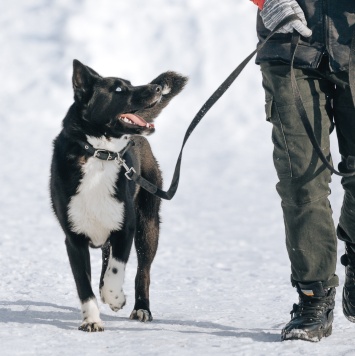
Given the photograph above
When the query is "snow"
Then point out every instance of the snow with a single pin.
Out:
(220, 281)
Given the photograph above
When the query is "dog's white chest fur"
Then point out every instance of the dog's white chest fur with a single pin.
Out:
(94, 211)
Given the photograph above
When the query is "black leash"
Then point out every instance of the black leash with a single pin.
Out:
(169, 194)
(300, 105)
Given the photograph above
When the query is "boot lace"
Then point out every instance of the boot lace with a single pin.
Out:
(311, 307)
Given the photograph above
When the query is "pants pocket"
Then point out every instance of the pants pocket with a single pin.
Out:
(268, 108)
(281, 155)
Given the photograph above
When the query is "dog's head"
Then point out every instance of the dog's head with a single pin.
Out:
(113, 107)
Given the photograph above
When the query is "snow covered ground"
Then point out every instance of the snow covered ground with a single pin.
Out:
(220, 281)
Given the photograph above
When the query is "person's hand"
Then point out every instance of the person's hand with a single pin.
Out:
(274, 11)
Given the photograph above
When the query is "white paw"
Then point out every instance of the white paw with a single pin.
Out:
(111, 292)
(141, 315)
(116, 300)
(91, 316)
(91, 327)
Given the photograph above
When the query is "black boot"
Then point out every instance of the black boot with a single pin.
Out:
(312, 317)
(348, 260)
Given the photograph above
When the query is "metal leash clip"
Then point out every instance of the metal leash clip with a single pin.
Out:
(123, 163)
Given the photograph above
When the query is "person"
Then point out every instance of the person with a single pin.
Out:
(322, 71)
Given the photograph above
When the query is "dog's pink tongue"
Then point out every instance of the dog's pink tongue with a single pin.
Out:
(137, 120)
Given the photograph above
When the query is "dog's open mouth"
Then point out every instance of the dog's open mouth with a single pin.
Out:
(136, 120)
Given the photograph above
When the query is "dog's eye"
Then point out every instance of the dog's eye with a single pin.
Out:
(118, 89)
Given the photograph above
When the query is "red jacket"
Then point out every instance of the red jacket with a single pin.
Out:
(260, 3)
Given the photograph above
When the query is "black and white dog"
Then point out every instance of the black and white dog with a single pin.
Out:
(95, 203)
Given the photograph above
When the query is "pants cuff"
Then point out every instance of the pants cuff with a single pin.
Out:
(330, 283)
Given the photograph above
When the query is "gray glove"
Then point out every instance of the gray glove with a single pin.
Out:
(274, 11)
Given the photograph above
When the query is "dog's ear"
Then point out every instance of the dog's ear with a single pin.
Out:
(172, 83)
(83, 79)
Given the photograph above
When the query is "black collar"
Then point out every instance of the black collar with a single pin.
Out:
(105, 155)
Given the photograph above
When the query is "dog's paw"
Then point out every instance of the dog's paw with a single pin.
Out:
(91, 326)
(115, 299)
(141, 315)
(91, 316)
(111, 291)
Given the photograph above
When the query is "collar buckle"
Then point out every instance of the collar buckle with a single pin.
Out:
(97, 153)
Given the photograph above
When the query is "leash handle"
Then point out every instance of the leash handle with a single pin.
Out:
(169, 194)
(301, 108)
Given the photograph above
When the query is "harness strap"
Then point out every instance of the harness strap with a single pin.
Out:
(302, 111)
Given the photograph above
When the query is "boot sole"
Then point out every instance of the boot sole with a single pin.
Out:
(299, 334)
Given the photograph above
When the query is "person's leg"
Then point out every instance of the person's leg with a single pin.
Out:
(303, 180)
(344, 117)
(304, 183)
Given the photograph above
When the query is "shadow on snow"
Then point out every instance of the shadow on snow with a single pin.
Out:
(67, 318)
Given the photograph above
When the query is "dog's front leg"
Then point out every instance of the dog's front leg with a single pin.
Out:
(79, 257)
(111, 284)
